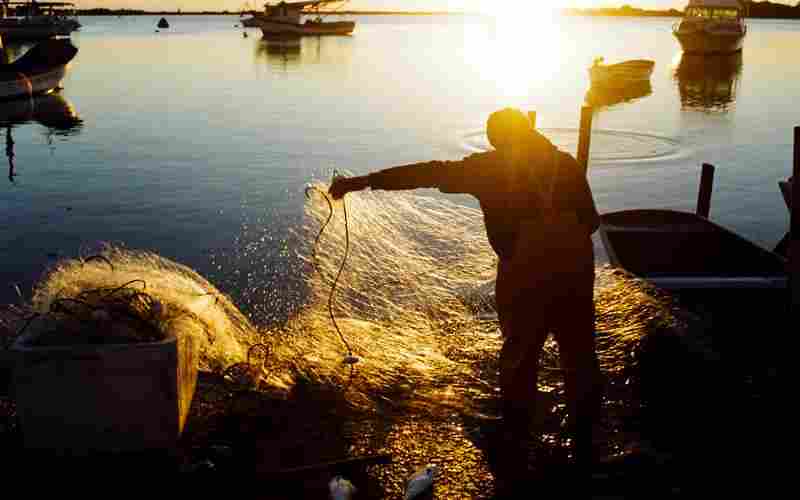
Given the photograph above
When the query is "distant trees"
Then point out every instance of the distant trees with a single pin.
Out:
(772, 10)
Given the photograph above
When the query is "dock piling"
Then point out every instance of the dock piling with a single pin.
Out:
(706, 187)
(584, 137)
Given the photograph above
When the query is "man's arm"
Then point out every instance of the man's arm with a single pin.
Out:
(447, 176)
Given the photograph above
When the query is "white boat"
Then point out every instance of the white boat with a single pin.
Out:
(31, 20)
(620, 74)
(38, 71)
(285, 18)
(711, 27)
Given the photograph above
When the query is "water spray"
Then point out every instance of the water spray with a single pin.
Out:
(350, 359)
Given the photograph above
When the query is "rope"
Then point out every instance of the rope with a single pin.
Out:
(341, 266)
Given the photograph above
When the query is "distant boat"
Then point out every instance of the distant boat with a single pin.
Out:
(162, 23)
(711, 27)
(284, 18)
(38, 71)
(31, 20)
(620, 74)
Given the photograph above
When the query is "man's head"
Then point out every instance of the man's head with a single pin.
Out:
(507, 128)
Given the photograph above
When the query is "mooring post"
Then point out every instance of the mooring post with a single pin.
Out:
(706, 186)
(794, 228)
(584, 137)
(532, 118)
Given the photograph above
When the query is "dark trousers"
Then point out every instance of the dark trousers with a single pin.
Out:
(530, 308)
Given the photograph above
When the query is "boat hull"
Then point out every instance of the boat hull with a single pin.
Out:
(270, 28)
(679, 251)
(620, 74)
(702, 42)
(21, 85)
(38, 31)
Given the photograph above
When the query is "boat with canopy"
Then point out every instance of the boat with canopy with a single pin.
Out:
(712, 27)
(285, 18)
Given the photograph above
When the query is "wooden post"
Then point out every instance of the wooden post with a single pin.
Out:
(532, 118)
(584, 137)
(794, 228)
(706, 186)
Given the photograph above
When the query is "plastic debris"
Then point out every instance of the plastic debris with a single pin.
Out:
(420, 481)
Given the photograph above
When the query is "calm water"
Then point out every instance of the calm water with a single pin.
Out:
(197, 142)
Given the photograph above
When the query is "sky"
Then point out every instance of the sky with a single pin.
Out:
(235, 5)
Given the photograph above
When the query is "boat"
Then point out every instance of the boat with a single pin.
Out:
(712, 27)
(285, 18)
(684, 252)
(40, 70)
(620, 74)
(32, 20)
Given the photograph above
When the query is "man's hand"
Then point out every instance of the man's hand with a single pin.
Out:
(343, 185)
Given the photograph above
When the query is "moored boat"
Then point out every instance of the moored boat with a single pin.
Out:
(285, 18)
(31, 20)
(711, 27)
(38, 71)
(619, 74)
(681, 251)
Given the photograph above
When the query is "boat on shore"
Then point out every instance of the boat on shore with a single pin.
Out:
(620, 74)
(684, 252)
(711, 27)
(31, 20)
(40, 70)
(285, 19)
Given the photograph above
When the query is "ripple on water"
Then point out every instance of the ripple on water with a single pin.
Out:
(607, 146)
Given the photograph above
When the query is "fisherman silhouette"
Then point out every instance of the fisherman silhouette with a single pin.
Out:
(539, 215)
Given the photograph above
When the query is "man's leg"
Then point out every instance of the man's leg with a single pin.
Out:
(575, 334)
(523, 337)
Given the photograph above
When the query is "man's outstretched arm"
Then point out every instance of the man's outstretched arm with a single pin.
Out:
(448, 176)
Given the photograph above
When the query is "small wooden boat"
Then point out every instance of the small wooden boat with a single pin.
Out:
(624, 73)
(680, 251)
(38, 71)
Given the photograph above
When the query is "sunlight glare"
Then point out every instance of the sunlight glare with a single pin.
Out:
(521, 48)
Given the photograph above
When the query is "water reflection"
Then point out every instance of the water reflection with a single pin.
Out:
(710, 82)
(52, 111)
(601, 96)
(280, 51)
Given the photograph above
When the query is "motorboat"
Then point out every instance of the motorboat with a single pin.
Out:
(712, 27)
(620, 74)
(32, 20)
(285, 18)
(40, 70)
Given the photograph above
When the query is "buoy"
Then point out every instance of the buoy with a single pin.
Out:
(162, 23)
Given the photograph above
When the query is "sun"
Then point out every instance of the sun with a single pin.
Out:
(519, 8)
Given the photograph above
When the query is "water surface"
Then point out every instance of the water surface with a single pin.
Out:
(196, 142)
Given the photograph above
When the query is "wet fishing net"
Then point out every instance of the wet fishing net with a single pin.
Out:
(413, 302)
